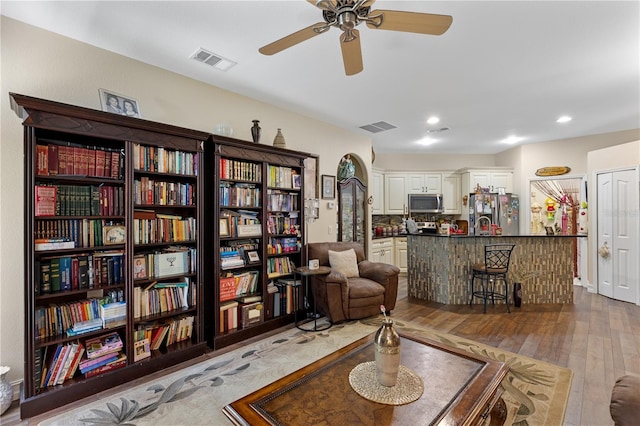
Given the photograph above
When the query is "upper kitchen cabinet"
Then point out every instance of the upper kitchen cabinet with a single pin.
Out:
(494, 179)
(424, 183)
(451, 194)
(377, 192)
(395, 189)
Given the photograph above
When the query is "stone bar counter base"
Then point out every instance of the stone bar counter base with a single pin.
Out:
(439, 268)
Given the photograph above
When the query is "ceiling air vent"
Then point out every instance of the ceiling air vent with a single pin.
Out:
(380, 126)
(212, 59)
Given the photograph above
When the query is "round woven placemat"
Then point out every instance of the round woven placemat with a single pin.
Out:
(408, 388)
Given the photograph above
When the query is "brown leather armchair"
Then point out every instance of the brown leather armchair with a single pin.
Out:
(341, 298)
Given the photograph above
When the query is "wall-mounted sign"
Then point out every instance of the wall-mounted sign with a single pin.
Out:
(553, 171)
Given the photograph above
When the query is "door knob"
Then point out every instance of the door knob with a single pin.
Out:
(604, 251)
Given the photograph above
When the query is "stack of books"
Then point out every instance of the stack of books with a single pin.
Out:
(113, 314)
(104, 353)
(62, 366)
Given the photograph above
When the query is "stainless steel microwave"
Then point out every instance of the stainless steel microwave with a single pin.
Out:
(425, 203)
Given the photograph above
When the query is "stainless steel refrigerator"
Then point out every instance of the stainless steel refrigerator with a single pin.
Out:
(500, 210)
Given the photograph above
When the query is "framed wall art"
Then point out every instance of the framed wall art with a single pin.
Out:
(119, 104)
(328, 187)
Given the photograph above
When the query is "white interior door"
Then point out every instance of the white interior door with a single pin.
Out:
(619, 229)
(625, 236)
(605, 231)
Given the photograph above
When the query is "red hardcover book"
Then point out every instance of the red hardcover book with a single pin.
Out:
(75, 273)
(227, 288)
(42, 160)
(53, 159)
(107, 164)
(100, 160)
(77, 160)
(91, 161)
(46, 200)
(62, 159)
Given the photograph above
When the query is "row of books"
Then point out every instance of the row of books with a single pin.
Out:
(277, 266)
(79, 271)
(283, 177)
(284, 298)
(149, 191)
(79, 200)
(166, 332)
(63, 158)
(240, 170)
(239, 195)
(231, 259)
(173, 260)
(81, 232)
(54, 320)
(278, 201)
(163, 160)
(61, 366)
(280, 245)
(241, 223)
(238, 285)
(164, 229)
(279, 224)
(160, 297)
(235, 315)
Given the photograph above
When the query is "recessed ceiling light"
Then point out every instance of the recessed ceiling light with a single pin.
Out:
(564, 119)
(426, 141)
(433, 120)
(512, 139)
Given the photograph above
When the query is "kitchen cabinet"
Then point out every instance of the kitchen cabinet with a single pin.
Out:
(451, 194)
(488, 178)
(377, 192)
(424, 183)
(382, 251)
(400, 252)
(395, 190)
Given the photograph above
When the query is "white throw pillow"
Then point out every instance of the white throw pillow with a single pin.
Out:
(345, 262)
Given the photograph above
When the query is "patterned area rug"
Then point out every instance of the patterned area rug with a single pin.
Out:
(535, 392)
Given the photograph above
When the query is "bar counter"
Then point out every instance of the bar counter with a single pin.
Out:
(439, 266)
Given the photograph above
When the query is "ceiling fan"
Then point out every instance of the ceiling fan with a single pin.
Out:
(347, 15)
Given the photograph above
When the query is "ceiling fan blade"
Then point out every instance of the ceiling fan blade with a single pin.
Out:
(323, 4)
(412, 22)
(351, 52)
(294, 38)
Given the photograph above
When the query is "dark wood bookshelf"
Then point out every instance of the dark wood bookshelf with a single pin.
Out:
(48, 123)
(53, 123)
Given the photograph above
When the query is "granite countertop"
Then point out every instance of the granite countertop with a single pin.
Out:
(388, 236)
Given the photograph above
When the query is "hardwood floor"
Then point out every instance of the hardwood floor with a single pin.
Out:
(596, 337)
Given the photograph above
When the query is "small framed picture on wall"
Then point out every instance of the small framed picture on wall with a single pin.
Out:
(328, 187)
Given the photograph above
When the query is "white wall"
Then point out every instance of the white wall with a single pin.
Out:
(602, 160)
(45, 65)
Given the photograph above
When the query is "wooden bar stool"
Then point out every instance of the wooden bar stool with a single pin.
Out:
(494, 269)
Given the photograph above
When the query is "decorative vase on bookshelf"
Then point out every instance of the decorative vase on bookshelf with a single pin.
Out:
(6, 392)
(256, 131)
(279, 141)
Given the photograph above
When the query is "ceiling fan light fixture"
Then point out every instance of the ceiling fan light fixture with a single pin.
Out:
(433, 120)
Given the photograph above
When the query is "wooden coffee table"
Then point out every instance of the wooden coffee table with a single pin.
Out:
(459, 389)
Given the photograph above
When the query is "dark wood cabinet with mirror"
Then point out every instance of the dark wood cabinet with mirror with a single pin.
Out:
(352, 209)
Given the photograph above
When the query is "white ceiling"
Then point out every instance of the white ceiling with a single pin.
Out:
(504, 68)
